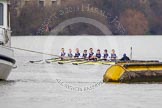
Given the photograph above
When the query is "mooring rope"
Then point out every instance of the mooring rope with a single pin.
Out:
(27, 50)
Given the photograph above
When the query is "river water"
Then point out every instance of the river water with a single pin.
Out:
(68, 86)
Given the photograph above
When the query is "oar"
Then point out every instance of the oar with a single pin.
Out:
(54, 60)
(69, 60)
(108, 63)
(35, 61)
(27, 50)
(42, 60)
(63, 62)
(86, 62)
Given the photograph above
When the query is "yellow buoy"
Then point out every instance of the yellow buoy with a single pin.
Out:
(134, 72)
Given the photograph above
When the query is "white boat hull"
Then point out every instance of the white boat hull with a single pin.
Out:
(6, 62)
(6, 53)
(5, 69)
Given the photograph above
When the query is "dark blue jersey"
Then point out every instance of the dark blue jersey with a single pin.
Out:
(106, 56)
(85, 55)
(98, 55)
(90, 55)
(125, 58)
(113, 56)
(77, 54)
(70, 55)
(63, 54)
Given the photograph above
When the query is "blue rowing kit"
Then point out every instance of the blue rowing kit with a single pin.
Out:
(77, 55)
(63, 54)
(113, 56)
(85, 55)
(98, 55)
(90, 55)
(70, 55)
(106, 56)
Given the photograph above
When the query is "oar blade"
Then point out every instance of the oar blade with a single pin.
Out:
(35, 61)
(60, 63)
(75, 63)
(31, 61)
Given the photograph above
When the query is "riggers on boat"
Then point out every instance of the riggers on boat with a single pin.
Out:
(134, 72)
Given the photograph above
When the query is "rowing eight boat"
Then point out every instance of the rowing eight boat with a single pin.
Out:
(87, 62)
(79, 62)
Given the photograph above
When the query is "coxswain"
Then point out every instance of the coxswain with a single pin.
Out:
(125, 58)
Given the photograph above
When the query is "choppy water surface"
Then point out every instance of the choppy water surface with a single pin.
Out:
(52, 86)
(69, 86)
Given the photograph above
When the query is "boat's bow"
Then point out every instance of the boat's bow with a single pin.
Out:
(6, 62)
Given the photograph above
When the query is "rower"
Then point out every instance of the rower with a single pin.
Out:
(77, 54)
(85, 54)
(62, 55)
(105, 55)
(70, 55)
(113, 55)
(98, 54)
(91, 54)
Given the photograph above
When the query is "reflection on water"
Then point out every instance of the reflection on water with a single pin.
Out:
(7, 83)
